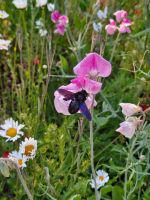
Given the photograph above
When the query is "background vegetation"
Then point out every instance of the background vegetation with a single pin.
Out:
(61, 168)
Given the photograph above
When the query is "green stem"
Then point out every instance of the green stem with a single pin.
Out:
(114, 47)
(19, 175)
(92, 157)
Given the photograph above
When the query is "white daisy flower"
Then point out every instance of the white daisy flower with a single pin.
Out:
(4, 44)
(20, 4)
(11, 130)
(101, 178)
(3, 14)
(40, 3)
(28, 148)
(18, 158)
(50, 7)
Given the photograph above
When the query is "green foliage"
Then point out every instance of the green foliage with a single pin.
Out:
(61, 169)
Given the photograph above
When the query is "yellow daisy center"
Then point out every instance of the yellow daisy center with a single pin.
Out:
(11, 132)
(101, 178)
(28, 149)
(20, 162)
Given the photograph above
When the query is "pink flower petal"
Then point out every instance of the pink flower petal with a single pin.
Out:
(61, 106)
(91, 87)
(93, 65)
(55, 16)
(129, 109)
(120, 15)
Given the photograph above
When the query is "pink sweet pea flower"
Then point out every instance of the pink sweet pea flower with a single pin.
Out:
(120, 15)
(63, 20)
(61, 105)
(124, 26)
(60, 29)
(91, 87)
(55, 16)
(93, 66)
(128, 127)
(111, 28)
(129, 109)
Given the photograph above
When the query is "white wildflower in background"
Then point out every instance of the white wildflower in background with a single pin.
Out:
(20, 4)
(18, 158)
(40, 26)
(40, 3)
(28, 148)
(44, 66)
(97, 26)
(101, 178)
(102, 14)
(3, 14)
(43, 32)
(39, 23)
(11, 130)
(50, 7)
(4, 44)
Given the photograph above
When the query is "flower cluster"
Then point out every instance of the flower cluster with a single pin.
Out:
(87, 73)
(12, 131)
(131, 123)
(101, 178)
(60, 21)
(124, 26)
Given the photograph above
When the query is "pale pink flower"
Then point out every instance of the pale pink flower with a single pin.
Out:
(61, 105)
(124, 26)
(120, 15)
(111, 28)
(60, 29)
(129, 109)
(128, 127)
(93, 66)
(63, 20)
(55, 16)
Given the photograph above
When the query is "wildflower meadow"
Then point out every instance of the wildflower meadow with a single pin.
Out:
(74, 100)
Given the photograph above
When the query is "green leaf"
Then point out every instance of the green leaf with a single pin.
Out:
(106, 189)
(4, 169)
(117, 193)
(63, 63)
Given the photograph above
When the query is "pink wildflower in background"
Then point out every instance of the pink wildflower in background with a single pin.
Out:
(111, 28)
(129, 109)
(128, 127)
(120, 15)
(55, 16)
(60, 21)
(124, 26)
(123, 23)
